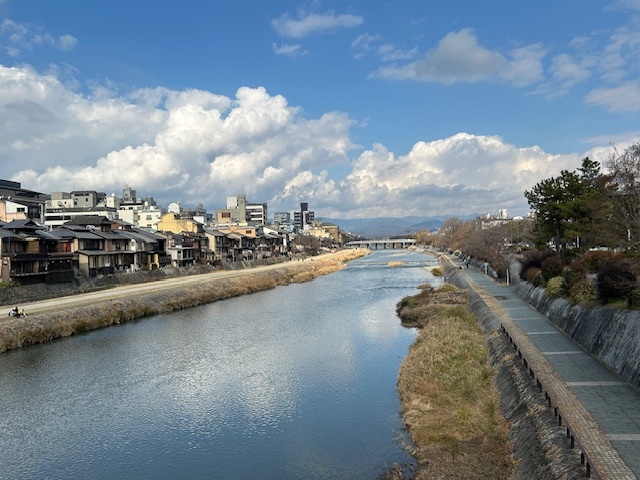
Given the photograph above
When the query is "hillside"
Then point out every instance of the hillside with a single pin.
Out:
(391, 226)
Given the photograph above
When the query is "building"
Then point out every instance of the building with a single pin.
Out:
(141, 213)
(11, 210)
(31, 201)
(303, 218)
(62, 207)
(173, 222)
(281, 219)
(29, 255)
(235, 213)
(257, 213)
(199, 214)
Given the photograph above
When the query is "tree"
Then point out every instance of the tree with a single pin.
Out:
(625, 196)
(309, 244)
(564, 206)
(452, 234)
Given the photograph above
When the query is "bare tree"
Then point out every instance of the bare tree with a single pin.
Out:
(625, 176)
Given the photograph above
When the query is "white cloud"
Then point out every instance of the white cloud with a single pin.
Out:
(192, 144)
(621, 54)
(308, 23)
(625, 5)
(25, 36)
(289, 50)
(567, 71)
(200, 147)
(67, 42)
(363, 44)
(458, 175)
(460, 58)
(390, 53)
(624, 98)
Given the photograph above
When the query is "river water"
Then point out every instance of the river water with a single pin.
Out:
(293, 383)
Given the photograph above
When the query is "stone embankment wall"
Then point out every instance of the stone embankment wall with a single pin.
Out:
(40, 328)
(540, 445)
(612, 335)
(16, 295)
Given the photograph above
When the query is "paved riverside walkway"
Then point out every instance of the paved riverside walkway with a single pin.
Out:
(600, 411)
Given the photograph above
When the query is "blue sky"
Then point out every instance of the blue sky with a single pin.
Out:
(360, 108)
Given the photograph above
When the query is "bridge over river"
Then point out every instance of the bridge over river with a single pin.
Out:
(394, 243)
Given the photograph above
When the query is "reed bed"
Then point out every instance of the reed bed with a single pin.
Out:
(20, 332)
(450, 405)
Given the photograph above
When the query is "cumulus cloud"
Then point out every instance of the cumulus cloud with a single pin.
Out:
(199, 147)
(459, 57)
(308, 23)
(457, 175)
(190, 144)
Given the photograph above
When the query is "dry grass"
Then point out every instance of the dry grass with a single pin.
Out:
(449, 403)
(436, 271)
(395, 264)
(19, 332)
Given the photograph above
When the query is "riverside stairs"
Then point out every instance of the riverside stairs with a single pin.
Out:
(601, 412)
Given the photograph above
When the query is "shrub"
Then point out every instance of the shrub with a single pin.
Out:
(616, 280)
(552, 267)
(533, 259)
(595, 261)
(574, 274)
(534, 276)
(583, 293)
(555, 286)
(633, 299)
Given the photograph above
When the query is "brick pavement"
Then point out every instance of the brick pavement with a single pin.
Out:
(601, 413)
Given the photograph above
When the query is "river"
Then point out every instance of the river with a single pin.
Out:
(298, 382)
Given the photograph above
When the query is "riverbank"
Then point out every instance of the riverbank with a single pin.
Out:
(450, 405)
(540, 445)
(77, 314)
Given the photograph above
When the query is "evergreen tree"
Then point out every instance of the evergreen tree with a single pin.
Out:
(568, 207)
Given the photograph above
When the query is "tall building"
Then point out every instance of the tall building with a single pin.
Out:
(257, 213)
(282, 218)
(239, 211)
(303, 218)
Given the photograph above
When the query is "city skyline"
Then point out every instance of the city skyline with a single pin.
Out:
(362, 110)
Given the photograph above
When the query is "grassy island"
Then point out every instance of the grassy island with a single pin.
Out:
(450, 406)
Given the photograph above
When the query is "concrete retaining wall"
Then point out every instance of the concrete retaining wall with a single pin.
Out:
(540, 445)
(17, 295)
(612, 335)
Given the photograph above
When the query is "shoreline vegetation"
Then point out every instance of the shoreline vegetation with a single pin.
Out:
(449, 403)
(44, 327)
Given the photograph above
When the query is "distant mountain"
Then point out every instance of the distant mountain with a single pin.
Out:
(391, 226)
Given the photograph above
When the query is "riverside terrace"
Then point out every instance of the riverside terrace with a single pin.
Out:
(394, 243)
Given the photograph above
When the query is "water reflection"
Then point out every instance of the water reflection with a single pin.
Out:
(292, 383)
